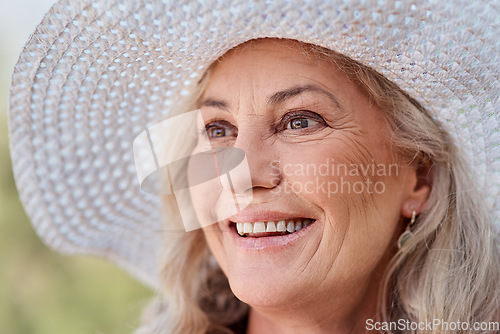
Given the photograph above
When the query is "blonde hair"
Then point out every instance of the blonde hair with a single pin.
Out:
(448, 270)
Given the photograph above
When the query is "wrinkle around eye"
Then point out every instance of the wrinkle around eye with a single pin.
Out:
(313, 136)
(338, 120)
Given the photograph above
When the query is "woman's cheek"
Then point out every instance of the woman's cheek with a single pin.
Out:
(333, 170)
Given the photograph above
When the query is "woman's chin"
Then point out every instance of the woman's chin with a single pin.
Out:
(270, 270)
(266, 290)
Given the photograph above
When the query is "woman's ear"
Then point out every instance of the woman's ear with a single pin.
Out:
(420, 192)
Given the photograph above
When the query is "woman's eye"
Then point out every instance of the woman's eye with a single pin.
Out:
(216, 132)
(297, 122)
(220, 129)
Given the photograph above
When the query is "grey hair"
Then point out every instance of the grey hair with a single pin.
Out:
(448, 270)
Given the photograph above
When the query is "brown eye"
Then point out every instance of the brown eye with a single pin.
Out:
(220, 130)
(216, 132)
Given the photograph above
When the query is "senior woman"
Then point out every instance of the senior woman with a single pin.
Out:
(365, 196)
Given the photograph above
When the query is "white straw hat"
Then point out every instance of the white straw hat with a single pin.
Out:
(96, 73)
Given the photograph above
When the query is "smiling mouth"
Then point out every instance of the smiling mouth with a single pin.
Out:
(271, 228)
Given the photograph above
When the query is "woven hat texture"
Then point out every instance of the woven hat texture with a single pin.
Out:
(96, 73)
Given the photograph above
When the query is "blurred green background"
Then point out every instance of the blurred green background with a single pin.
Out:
(41, 291)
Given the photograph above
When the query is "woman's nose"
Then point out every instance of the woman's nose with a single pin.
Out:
(261, 158)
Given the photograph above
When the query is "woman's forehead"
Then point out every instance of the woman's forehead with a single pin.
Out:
(263, 68)
(257, 51)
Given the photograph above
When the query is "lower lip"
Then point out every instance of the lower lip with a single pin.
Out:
(270, 243)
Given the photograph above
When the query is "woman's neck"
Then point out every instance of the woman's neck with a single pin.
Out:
(315, 319)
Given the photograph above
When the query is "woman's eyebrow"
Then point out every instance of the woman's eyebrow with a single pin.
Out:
(215, 103)
(283, 95)
(277, 97)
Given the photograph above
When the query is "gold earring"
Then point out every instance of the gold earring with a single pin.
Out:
(407, 233)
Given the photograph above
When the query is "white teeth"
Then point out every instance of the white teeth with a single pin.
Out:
(290, 227)
(259, 227)
(281, 227)
(271, 227)
(247, 228)
(298, 226)
(239, 227)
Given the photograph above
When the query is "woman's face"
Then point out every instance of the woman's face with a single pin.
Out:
(319, 154)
